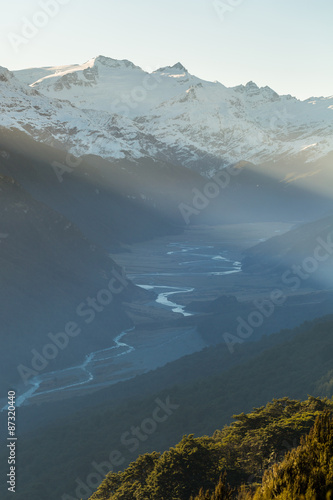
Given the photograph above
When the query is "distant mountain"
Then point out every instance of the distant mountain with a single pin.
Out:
(302, 256)
(122, 111)
(102, 84)
(61, 124)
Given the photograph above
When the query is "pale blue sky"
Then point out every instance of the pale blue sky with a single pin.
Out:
(286, 44)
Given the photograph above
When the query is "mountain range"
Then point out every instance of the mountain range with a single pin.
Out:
(117, 110)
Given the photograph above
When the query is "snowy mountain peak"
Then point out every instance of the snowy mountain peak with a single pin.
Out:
(179, 66)
(115, 109)
(252, 90)
(12, 86)
(5, 74)
(251, 86)
(177, 69)
(83, 75)
(112, 63)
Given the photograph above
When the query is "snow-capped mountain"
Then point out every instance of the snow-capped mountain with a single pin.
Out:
(60, 123)
(116, 110)
(105, 84)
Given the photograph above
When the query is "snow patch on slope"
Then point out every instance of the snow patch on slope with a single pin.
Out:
(115, 109)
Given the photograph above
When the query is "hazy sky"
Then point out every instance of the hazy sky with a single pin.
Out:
(286, 44)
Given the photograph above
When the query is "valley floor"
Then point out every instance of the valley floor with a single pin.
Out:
(198, 265)
(195, 267)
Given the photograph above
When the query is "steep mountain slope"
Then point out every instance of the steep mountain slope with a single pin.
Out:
(192, 121)
(115, 202)
(48, 268)
(303, 254)
(60, 123)
(237, 454)
(112, 203)
(243, 123)
(101, 83)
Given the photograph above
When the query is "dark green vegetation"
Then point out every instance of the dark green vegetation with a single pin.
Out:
(260, 446)
(289, 364)
(306, 471)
